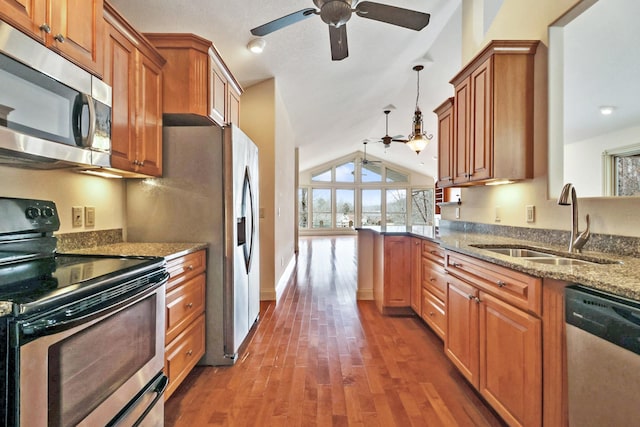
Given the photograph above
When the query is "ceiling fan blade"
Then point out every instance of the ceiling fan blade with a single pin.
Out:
(285, 21)
(406, 18)
(338, 39)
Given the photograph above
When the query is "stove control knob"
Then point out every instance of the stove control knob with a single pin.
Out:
(32, 212)
(48, 212)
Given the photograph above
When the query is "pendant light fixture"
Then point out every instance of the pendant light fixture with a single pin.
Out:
(418, 140)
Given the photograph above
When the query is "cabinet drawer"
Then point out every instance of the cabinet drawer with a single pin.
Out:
(434, 313)
(182, 354)
(434, 278)
(186, 267)
(433, 251)
(183, 304)
(518, 289)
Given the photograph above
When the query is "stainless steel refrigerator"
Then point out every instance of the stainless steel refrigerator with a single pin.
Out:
(208, 193)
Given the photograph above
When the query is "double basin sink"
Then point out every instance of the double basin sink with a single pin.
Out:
(543, 257)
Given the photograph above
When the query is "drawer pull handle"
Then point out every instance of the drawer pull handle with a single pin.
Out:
(189, 352)
(432, 279)
(457, 265)
(501, 284)
(189, 305)
(432, 252)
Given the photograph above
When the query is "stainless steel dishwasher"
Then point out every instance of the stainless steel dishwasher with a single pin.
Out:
(603, 358)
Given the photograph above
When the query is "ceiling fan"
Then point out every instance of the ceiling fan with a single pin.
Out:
(365, 161)
(336, 13)
(386, 139)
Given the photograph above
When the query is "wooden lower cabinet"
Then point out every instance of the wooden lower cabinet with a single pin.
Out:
(434, 288)
(495, 345)
(185, 317)
(416, 275)
(392, 274)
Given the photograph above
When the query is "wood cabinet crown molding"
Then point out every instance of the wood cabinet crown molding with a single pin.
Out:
(199, 87)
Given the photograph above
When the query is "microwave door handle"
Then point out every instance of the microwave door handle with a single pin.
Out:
(88, 142)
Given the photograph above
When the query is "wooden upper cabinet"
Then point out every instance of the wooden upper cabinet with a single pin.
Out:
(199, 89)
(493, 116)
(73, 28)
(445, 143)
(134, 71)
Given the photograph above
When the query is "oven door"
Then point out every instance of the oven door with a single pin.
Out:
(89, 372)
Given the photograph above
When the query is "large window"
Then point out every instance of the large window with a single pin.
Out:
(321, 207)
(350, 194)
(345, 208)
(396, 206)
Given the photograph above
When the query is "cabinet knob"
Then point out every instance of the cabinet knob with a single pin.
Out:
(432, 252)
(59, 38)
(189, 352)
(471, 296)
(432, 279)
(46, 28)
(431, 313)
(501, 284)
(190, 268)
(189, 305)
(477, 300)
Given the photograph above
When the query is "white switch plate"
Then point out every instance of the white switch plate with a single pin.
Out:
(531, 213)
(89, 216)
(76, 216)
(498, 216)
(457, 213)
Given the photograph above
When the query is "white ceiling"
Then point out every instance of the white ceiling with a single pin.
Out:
(333, 105)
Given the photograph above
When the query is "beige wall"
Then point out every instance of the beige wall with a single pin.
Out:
(68, 189)
(529, 20)
(263, 117)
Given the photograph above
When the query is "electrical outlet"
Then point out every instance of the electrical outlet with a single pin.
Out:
(531, 213)
(89, 216)
(76, 216)
(498, 217)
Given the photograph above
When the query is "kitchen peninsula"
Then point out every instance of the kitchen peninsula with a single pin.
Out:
(501, 317)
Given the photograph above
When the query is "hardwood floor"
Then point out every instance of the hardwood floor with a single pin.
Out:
(320, 358)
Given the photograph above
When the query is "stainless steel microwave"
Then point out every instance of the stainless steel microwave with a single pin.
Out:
(53, 114)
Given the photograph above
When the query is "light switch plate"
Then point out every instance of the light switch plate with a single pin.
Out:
(76, 216)
(89, 216)
(531, 213)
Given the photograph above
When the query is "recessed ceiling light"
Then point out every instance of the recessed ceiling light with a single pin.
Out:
(606, 110)
(256, 45)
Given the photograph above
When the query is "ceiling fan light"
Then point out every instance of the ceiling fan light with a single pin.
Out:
(418, 142)
(335, 13)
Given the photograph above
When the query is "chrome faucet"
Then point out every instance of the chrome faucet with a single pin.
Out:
(577, 239)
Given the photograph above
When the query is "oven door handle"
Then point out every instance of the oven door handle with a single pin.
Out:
(64, 320)
(158, 386)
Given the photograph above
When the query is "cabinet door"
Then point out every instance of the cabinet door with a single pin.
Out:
(461, 132)
(120, 74)
(461, 340)
(416, 275)
(397, 271)
(233, 107)
(149, 117)
(481, 140)
(511, 361)
(77, 31)
(445, 144)
(26, 15)
(217, 94)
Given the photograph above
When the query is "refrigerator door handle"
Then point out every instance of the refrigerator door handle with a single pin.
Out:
(241, 228)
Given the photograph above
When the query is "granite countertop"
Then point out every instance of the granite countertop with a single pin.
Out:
(621, 278)
(167, 251)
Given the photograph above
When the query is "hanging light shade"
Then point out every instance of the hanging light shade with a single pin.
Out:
(418, 140)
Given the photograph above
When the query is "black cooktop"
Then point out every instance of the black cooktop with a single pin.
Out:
(37, 284)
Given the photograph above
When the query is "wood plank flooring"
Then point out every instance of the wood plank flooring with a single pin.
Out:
(320, 358)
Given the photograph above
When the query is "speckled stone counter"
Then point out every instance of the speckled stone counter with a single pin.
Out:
(621, 278)
(166, 250)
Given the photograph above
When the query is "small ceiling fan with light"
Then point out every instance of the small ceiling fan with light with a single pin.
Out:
(386, 139)
(336, 13)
